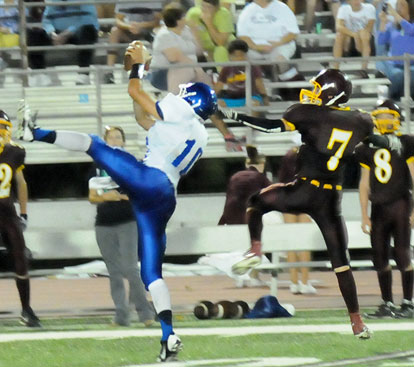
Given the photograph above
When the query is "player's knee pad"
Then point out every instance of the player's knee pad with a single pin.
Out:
(382, 268)
(148, 277)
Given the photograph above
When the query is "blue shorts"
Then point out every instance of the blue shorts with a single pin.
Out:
(239, 102)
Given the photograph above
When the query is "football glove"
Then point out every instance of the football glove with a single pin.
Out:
(233, 144)
(228, 113)
(23, 221)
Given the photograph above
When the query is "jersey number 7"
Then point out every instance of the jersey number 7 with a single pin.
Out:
(184, 160)
(340, 136)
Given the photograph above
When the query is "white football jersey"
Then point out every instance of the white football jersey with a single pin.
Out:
(177, 141)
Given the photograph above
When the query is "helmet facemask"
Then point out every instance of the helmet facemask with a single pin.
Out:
(311, 96)
(386, 121)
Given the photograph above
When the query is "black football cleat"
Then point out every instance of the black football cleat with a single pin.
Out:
(406, 311)
(170, 349)
(29, 319)
(385, 310)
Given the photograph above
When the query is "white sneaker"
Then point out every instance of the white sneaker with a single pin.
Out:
(170, 349)
(83, 79)
(294, 288)
(306, 288)
(25, 122)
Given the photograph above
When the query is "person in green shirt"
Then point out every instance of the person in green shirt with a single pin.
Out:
(212, 26)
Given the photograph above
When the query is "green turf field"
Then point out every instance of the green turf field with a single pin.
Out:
(91, 342)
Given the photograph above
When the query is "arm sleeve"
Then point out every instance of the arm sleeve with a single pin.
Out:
(407, 27)
(262, 124)
(384, 37)
(361, 156)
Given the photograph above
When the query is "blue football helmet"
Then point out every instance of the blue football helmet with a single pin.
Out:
(200, 97)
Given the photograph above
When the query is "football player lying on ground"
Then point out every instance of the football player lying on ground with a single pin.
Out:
(330, 132)
(175, 141)
(386, 181)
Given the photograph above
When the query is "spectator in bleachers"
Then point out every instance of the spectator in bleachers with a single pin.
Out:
(354, 32)
(35, 13)
(117, 238)
(212, 26)
(74, 24)
(270, 29)
(399, 37)
(231, 88)
(173, 44)
(134, 21)
(311, 8)
(9, 31)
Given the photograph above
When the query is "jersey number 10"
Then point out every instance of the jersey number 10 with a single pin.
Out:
(184, 160)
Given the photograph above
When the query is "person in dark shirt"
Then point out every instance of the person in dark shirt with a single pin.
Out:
(11, 225)
(330, 133)
(117, 238)
(386, 181)
(242, 185)
(286, 174)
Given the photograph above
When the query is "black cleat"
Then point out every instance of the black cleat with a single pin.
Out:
(170, 349)
(29, 319)
(385, 310)
(406, 311)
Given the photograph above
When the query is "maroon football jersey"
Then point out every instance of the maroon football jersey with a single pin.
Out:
(329, 136)
(11, 159)
(389, 175)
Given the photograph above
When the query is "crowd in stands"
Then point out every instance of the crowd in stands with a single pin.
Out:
(187, 31)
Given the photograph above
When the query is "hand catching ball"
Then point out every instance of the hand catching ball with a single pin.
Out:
(136, 53)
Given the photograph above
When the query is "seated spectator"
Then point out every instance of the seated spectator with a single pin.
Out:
(270, 28)
(231, 88)
(311, 8)
(212, 25)
(173, 44)
(354, 32)
(134, 21)
(9, 30)
(74, 24)
(399, 37)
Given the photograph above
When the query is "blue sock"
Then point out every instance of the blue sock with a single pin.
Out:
(166, 324)
(47, 136)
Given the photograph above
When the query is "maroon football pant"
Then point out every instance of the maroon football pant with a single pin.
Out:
(392, 220)
(324, 206)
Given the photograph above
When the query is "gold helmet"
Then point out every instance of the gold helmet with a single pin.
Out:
(386, 116)
(5, 128)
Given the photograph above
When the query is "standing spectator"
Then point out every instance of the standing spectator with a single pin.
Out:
(134, 21)
(11, 225)
(399, 37)
(354, 29)
(287, 174)
(270, 29)
(175, 44)
(212, 25)
(117, 237)
(75, 24)
(386, 180)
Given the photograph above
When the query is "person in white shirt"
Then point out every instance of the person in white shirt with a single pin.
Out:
(176, 140)
(355, 22)
(269, 28)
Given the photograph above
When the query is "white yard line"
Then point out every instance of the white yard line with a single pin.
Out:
(223, 332)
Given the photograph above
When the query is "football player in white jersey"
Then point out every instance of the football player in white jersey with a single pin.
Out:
(175, 141)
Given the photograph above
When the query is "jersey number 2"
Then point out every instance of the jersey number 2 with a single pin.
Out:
(340, 136)
(6, 175)
(182, 159)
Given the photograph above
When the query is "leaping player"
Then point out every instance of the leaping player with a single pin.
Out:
(176, 140)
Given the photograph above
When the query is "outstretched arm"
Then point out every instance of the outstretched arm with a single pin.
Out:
(138, 95)
(387, 141)
(257, 123)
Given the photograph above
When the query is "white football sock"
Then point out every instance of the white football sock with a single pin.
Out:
(72, 140)
(160, 295)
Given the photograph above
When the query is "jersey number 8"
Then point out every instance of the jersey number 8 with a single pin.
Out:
(383, 169)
